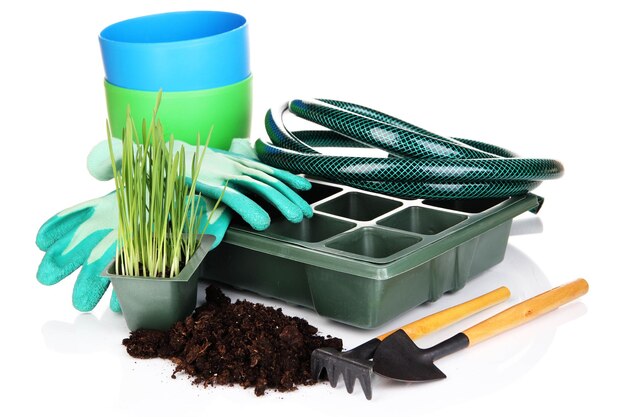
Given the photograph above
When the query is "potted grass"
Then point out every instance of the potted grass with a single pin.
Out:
(160, 245)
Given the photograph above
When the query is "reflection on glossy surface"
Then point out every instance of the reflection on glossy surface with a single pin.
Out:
(87, 334)
(479, 369)
(494, 363)
(527, 226)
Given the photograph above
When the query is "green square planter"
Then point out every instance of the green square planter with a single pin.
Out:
(158, 303)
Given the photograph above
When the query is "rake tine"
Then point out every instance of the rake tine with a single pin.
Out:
(349, 379)
(317, 366)
(333, 376)
(366, 384)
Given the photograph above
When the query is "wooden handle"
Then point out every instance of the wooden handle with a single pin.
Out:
(526, 311)
(451, 315)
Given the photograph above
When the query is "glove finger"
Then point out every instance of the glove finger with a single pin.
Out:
(67, 221)
(57, 265)
(218, 227)
(249, 211)
(292, 212)
(306, 209)
(214, 221)
(90, 286)
(243, 147)
(294, 181)
(99, 159)
(59, 226)
(114, 304)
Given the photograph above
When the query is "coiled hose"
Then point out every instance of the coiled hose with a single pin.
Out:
(421, 164)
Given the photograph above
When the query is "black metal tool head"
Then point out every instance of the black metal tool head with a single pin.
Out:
(399, 358)
(353, 364)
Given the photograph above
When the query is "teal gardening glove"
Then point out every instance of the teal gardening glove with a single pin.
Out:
(87, 234)
(240, 174)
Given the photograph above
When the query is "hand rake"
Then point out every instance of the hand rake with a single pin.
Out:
(356, 363)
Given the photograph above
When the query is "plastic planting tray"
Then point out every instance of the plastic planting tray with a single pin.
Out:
(365, 258)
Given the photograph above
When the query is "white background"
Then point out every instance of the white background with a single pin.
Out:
(543, 78)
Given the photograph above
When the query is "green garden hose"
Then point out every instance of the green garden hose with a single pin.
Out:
(421, 164)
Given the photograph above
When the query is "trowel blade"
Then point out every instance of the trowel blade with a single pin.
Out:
(399, 358)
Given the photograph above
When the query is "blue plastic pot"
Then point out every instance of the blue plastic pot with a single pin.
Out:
(178, 51)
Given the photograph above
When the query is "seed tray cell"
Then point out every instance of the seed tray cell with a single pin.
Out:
(365, 258)
(358, 206)
(372, 242)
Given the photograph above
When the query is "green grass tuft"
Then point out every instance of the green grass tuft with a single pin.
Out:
(159, 211)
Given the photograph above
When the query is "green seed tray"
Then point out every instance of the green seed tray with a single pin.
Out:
(365, 258)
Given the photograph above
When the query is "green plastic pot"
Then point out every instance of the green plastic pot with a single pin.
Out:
(158, 303)
(227, 110)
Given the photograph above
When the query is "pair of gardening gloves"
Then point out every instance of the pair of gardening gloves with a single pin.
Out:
(85, 236)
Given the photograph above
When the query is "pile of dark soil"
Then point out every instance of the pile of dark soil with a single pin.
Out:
(236, 343)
